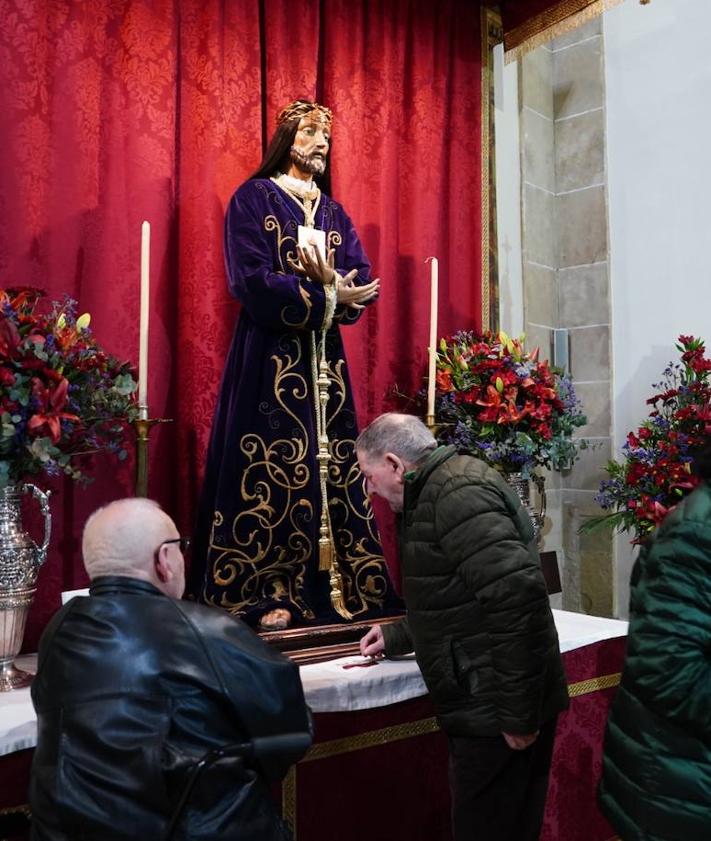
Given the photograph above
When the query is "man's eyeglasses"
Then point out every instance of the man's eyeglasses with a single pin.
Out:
(183, 543)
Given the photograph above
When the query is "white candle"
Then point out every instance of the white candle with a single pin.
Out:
(143, 329)
(432, 369)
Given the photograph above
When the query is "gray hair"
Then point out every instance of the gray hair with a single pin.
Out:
(404, 435)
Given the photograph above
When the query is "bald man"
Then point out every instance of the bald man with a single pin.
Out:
(134, 686)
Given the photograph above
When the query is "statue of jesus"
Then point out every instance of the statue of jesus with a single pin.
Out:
(285, 533)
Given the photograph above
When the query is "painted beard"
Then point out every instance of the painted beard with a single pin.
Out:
(315, 163)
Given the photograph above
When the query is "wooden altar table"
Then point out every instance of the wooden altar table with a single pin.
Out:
(378, 768)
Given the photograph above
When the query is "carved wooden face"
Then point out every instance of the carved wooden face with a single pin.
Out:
(311, 145)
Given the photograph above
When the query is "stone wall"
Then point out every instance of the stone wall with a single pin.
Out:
(566, 281)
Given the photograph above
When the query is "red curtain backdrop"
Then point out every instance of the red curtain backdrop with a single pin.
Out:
(112, 113)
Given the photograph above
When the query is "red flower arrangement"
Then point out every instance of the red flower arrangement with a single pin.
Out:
(61, 397)
(504, 405)
(655, 474)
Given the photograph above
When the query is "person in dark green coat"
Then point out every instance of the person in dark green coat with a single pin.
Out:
(656, 780)
(479, 621)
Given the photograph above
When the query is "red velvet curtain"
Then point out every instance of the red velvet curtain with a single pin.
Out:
(111, 113)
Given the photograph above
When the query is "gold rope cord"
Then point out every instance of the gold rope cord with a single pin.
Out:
(326, 548)
(562, 18)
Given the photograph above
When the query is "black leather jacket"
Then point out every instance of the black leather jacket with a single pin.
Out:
(132, 687)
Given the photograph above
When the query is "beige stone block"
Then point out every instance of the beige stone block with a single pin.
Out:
(577, 79)
(582, 227)
(595, 400)
(536, 81)
(537, 147)
(590, 354)
(540, 295)
(580, 151)
(570, 568)
(587, 570)
(552, 478)
(538, 337)
(596, 572)
(583, 296)
(580, 33)
(552, 535)
(583, 502)
(538, 226)
(589, 469)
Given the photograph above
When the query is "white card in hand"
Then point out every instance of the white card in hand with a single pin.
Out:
(308, 237)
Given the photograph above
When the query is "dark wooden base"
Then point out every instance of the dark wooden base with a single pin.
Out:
(324, 642)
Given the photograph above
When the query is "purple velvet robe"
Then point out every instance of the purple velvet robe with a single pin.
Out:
(258, 529)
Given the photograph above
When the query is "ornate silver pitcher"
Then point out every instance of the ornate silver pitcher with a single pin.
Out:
(523, 490)
(20, 560)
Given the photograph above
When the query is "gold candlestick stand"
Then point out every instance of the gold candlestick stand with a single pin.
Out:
(435, 426)
(143, 428)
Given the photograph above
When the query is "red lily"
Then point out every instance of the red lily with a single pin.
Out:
(9, 337)
(51, 403)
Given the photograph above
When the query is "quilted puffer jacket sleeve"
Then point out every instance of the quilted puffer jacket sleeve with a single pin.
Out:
(478, 528)
(669, 650)
(398, 640)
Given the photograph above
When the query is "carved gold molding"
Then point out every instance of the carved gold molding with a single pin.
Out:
(595, 684)
(561, 18)
(24, 809)
(492, 33)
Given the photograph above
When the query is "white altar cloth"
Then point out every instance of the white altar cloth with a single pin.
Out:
(18, 725)
(331, 688)
(328, 687)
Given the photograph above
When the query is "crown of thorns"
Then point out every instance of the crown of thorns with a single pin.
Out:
(301, 108)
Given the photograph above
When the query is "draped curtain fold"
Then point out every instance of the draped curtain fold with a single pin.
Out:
(111, 113)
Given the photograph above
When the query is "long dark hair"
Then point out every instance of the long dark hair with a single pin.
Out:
(277, 158)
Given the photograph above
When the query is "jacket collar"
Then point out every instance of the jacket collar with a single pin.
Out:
(416, 479)
(109, 584)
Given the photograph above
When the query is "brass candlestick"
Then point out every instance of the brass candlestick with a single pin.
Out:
(143, 426)
(435, 426)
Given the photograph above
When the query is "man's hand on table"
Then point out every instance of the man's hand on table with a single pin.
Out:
(373, 643)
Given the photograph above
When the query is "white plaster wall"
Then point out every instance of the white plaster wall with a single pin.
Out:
(508, 194)
(658, 81)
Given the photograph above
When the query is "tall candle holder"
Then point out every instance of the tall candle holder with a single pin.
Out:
(143, 425)
(436, 427)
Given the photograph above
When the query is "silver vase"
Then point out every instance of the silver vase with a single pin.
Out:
(20, 560)
(523, 490)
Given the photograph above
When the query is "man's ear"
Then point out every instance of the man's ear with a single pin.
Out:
(164, 569)
(397, 464)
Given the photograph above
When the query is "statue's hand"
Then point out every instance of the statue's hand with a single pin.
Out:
(353, 296)
(311, 264)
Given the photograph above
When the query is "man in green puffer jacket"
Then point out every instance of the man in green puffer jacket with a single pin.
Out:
(479, 621)
(656, 781)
